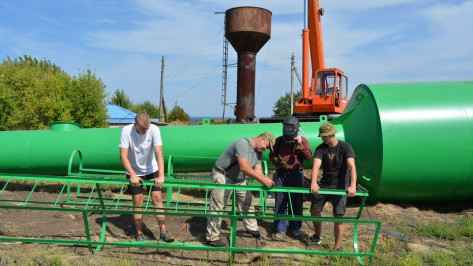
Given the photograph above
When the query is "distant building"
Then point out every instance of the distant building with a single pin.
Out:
(120, 117)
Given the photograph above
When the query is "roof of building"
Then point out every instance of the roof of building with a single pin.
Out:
(120, 115)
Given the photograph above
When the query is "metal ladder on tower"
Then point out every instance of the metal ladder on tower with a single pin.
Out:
(224, 75)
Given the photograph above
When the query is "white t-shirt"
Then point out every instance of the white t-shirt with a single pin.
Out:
(141, 148)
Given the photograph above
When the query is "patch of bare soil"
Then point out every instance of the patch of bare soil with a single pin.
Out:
(70, 226)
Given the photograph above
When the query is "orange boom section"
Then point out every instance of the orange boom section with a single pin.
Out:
(328, 88)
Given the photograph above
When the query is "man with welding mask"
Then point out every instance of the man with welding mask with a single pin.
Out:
(288, 154)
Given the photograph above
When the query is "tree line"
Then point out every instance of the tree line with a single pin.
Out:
(121, 99)
(34, 93)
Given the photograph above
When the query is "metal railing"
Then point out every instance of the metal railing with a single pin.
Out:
(94, 201)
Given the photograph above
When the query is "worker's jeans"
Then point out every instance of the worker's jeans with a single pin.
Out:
(282, 206)
(218, 201)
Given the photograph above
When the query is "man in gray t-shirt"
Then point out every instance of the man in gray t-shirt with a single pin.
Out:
(240, 159)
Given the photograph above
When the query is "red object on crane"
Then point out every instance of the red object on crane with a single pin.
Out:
(328, 89)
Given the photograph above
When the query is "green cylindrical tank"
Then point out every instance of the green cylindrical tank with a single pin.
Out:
(413, 141)
(194, 148)
(48, 151)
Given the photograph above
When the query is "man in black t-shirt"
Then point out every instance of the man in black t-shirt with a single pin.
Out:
(338, 160)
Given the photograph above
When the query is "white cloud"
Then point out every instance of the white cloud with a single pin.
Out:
(364, 5)
(371, 41)
(451, 27)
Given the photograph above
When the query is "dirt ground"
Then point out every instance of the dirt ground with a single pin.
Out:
(70, 225)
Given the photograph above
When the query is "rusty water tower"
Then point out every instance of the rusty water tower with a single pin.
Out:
(247, 29)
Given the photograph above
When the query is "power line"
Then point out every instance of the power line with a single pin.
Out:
(195, 85)
(187, 64)
(262, 74)
(195, 56)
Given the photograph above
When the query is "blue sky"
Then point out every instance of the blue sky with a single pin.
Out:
(123, 41)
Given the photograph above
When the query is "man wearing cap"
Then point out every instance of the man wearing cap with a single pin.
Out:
(240, 159)
(338, 160)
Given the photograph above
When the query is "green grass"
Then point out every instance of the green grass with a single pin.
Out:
(390, 251)
(450, 243)
(445, 230)
(56, 260)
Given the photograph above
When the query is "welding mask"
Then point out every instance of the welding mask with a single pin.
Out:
(290, 128)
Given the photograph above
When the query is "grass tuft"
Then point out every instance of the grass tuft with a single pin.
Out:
(445, 230)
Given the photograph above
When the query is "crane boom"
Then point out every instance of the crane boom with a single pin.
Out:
(328, 88)
(315, 36)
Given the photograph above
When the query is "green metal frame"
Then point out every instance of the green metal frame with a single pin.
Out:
(95, 202)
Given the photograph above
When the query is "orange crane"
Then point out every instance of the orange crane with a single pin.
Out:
(328, 89)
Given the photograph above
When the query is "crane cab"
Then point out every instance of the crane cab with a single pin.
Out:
(327, 93)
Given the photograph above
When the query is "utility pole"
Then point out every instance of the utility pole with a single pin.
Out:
(298, 76)
(292, 83)
(162, 106)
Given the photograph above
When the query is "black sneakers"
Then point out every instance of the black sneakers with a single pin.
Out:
(315, 240)
(166, 237)
(140, 237)
(216, 243)
(254, 234)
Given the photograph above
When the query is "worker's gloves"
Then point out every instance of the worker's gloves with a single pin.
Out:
(279, 162)
(299, 148)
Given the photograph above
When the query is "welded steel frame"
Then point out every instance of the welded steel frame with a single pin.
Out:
(95, 202)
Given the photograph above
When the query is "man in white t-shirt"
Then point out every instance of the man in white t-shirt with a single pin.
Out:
(138, 144)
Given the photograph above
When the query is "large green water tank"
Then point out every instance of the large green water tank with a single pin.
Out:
(194, 148)
(413, 140)
(48, 151)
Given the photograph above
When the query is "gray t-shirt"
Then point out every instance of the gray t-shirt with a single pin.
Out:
(239, 148)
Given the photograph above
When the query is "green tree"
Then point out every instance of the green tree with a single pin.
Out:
(7, 104)
(178, 114)
(282, 107)
(35, 92)
(121, 99)
(151, 109)
(88, 95)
